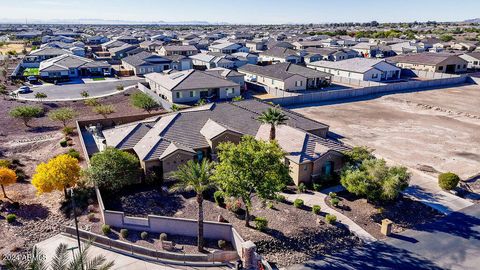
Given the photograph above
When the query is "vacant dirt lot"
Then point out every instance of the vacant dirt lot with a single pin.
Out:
(432, 131)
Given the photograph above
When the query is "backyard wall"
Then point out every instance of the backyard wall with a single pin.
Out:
(105, 242)
(320, 96)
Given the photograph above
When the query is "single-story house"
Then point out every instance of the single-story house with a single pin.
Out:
(286, 76)
(122, 51)
(185, 50)
(179, 62)
(280, 54)
(302, 45)
(227, 48)
(473, 59)
(145, 62)
(163, 143)
(151, 45)
(407, 47)
(189, 86)
(363, 69)
(256, 45)
(69, 66)
(229, 74)
(33, 59)
(432, 62)
(208, 61)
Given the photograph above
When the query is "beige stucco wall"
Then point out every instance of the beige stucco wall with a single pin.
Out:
(301, 172)
(171, 162)
(227, 136)
(337, 159)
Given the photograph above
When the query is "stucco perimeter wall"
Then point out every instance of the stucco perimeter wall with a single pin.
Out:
(358, 92)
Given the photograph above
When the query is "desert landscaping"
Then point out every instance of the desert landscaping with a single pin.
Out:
(429, 131)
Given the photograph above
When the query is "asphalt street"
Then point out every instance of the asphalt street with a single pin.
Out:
(73, 91)
(452, 242)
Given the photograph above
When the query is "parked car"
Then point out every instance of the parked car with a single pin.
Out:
(23, 90)
(32, 79)
(107, 73)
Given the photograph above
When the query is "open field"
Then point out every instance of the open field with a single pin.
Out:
(12, 47)
(431, 131)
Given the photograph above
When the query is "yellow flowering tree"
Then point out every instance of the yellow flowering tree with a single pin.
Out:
(58, 173)
(7, 177)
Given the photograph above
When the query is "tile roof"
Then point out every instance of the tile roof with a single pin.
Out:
(189, 79)
(423, 58)
(283, 71)
(191, 129)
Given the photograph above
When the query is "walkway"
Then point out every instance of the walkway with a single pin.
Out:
(318, 198)
(122, 261)
(424, 188)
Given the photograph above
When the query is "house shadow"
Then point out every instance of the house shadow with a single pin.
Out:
(457, 224)
(377, 255)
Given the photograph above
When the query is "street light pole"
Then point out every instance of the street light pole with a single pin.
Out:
(76, 227)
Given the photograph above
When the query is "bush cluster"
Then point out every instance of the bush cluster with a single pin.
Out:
(448, 180)
(124, 233)
(261, 223)
(163, 237)
(144, 235)
(219, 197)
(330, 219)
(106, 229)
(11, 218)
(302, 188)
(316, 209)
(298, 203)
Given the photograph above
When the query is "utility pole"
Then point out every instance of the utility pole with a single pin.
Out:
(76, 227)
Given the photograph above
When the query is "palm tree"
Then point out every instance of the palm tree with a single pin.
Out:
(61, 261)
(196, 176)
(274, 117)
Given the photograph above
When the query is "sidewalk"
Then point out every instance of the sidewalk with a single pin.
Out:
(318, 198)
(424, 188)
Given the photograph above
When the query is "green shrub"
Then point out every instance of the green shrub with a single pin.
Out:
(91, 102)
(317, 187)
(302, 188)
(67, 130)
(280, 198)
(163, 237)
(270, 205)
(233, 205)
(124, 233)
(219, 197)
(73, 153)
(91, 216)
(63, 143)
(448, 180)
(298, 203)
(144, 235)
(120, 87)
(11, 218)
(261, 223)
(332, 195)
(5, 163)
(330, 219)
(335, 201)
(106, 229)
(316, 209)
(222, 244)
(84, 94)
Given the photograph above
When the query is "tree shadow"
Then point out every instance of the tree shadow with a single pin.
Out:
(42, 129)
(142, 200)
(33, 211)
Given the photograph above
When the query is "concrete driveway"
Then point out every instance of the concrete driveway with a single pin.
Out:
(452, 242)
(68, 92)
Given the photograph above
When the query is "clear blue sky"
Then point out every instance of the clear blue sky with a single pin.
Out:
(246, 11)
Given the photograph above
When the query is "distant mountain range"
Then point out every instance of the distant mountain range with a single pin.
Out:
(102, 21)
(477, 20)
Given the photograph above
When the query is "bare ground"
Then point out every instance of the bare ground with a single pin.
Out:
(38, 217)
(293, 235)
(431, 131)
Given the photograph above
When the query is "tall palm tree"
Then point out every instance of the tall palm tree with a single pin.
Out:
(196, 176)
(274, 117)
(61, 261)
